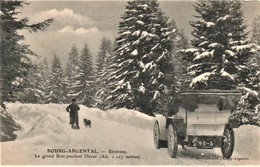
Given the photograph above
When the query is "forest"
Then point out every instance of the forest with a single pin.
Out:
(149, 61)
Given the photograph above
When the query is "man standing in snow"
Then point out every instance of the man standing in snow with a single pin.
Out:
(73, 110)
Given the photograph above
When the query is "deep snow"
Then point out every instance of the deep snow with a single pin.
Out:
(47, 127)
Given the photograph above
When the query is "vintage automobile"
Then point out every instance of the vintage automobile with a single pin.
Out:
(198, 119)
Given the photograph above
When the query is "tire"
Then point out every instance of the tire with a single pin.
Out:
(156, 135)
(227, 147)
(172, 141)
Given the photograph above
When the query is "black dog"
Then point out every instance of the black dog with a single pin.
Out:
(87, 123)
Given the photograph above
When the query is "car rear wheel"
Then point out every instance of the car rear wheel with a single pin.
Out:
(172, 141)
(156, 135)
(227, 147)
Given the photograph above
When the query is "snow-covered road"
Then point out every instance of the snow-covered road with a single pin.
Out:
(117, 137)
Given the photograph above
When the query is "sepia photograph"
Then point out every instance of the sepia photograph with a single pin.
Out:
(130, 82)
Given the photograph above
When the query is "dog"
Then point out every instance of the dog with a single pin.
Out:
(87, 123)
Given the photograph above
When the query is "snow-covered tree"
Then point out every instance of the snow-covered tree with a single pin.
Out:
(85, 79)
(251, 89)
(8, 126)
(56, 87)
(104, 62)
(45, 78)
(143, 73)
(71, 73)
(104, 50)
(180, 41)
(255, 38)
(256, 30)
(220, 51)
(36, 87)
(14, 54)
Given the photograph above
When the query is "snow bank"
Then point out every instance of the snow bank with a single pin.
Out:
(130, 117)
(33, 114)
(47, 127)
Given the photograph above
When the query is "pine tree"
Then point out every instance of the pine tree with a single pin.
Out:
(34, 90)
(45, 73)
(104, 50)
(256, 31)
(15, 55)
(182, 78)
(220, 50)
(56, 87)
(255, 38)
(251, 90)
(143, 73)
(104, 61)
(85, 78)
(180, 41)
(71, 73)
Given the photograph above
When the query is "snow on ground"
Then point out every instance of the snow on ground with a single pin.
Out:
(126, 131)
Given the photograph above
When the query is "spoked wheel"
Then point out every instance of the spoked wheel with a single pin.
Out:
(156, 135)
(227, 147)
(172, 141)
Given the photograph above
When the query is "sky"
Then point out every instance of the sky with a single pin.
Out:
(87, 22)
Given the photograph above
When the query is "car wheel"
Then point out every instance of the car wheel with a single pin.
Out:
(156, 135)
(227, 147)
(172, 141)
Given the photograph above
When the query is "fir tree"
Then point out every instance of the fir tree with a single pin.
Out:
(104, 50)
(71, 73)
(251, 90)
(34, 90)
(256, 31)
(143, 73)
(85, 78)
(180, 41)
(104, 61)
(15, 56)
(181, 77)
(220, 52)
(56, 87)
(44, 73)
(45, 70)
(255, 38)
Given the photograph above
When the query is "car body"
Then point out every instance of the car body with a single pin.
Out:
(198, 119)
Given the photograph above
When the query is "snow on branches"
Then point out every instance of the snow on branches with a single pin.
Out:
(142, 57)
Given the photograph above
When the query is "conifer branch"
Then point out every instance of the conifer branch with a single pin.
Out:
(40, 26)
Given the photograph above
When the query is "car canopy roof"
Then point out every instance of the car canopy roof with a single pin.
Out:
(189, 99)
